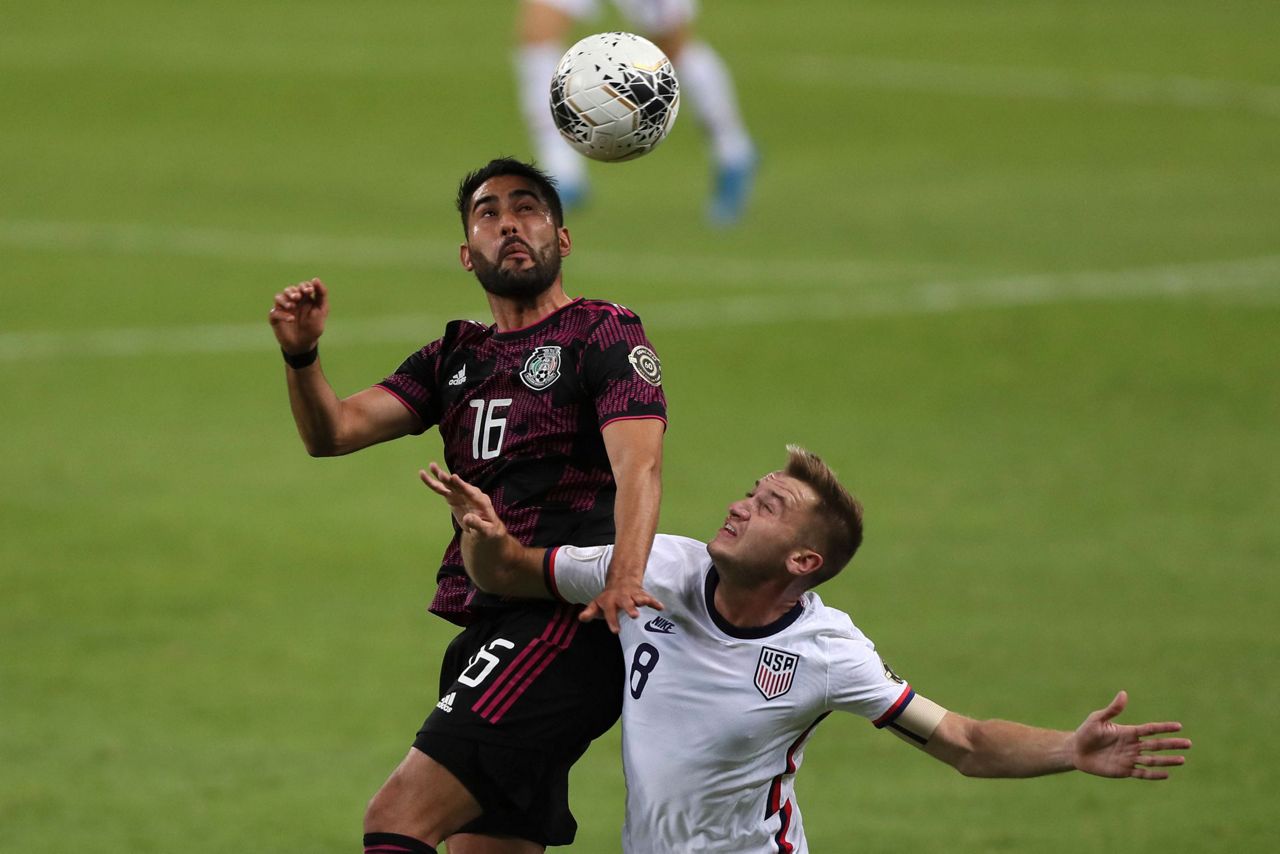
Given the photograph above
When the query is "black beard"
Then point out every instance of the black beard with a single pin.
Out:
(518, 285)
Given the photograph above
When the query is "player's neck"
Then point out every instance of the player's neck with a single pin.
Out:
(754, 605)
(512, 314)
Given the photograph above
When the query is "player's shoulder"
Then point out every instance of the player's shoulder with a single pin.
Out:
(673, 547)
(676, 562)
(456, 333)
(464, 329)
(832, 625)
(602, 310)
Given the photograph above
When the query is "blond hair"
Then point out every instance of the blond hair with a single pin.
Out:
(838, 513)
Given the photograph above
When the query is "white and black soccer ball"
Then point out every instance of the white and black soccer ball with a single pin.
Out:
(614, 96)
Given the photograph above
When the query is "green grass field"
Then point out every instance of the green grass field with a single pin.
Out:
(1013, 269)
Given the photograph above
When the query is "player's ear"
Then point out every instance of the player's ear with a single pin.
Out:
(464, 255)
(566, 242)
(802, 562)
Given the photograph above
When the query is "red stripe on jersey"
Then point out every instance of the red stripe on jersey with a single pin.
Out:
(784, 847)
(894, 710)
(407, 405)
(635, 418)
(774, 802)
(550, 573)
(534, 657)
(532, 677)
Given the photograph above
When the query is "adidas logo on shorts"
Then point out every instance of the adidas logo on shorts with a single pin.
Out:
(446, 702)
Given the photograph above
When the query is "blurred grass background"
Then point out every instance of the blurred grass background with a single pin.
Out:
(1013, 268)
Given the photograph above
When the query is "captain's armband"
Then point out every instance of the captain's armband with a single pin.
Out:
(918, 720)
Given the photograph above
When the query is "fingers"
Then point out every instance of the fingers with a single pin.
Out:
(1160, 761)
(288, 301)
(475, 497)
(283, 309)
(1165, 744)
(437, 472)
(474, 523)
(644, 600)
(1114, 708)
(434, 483)
(1158, 728)
(1147, 774)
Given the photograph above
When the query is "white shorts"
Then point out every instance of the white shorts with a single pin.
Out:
(653, 17)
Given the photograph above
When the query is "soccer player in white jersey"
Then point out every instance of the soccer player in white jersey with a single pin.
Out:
(726, 684)
(705, 81)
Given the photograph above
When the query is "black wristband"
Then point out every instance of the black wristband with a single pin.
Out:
(301, 360)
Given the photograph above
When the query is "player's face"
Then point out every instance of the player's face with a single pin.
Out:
(765, 527)
(513, 244)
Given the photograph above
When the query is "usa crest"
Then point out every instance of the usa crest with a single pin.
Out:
(542, 368)
(775, 672)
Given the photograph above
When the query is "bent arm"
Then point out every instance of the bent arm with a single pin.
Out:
(331, 426)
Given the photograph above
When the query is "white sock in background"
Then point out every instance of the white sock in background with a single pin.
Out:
(534, 66)
(705, 82)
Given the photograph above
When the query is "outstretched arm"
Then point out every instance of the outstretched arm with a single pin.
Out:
(1098, 746)
(496, 561)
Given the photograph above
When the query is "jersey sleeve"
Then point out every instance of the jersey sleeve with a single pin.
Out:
(576, 574)
(416, 384)
(621, 371)
(860, 682)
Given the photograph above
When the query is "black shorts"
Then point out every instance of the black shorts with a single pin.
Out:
(523, 691)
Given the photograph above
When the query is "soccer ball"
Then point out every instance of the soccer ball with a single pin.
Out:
(614, 96)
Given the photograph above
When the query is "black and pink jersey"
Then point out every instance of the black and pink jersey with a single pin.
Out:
(521, 415)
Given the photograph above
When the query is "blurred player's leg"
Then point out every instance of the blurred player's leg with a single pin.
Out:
(707, 86)
(543, 27)
(704, 76)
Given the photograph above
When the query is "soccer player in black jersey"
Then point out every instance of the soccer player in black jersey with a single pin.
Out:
(557, 411)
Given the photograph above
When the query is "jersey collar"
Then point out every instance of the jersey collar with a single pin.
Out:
(755, 632)
(532, 327)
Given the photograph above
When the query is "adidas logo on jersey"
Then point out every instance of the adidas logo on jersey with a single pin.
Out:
(460, 377)
(446, 702)
(660, 625)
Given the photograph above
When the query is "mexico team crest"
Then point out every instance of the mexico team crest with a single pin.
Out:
(775, 672)
(542, 368)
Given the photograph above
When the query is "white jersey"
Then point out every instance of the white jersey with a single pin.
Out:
(715, 718)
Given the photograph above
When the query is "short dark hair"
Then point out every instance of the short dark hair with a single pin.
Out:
(544, 183)
(839, 514)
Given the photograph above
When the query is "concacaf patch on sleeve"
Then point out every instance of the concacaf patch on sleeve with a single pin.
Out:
(646, 363)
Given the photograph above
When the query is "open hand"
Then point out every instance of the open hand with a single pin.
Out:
(471, 508)
(619, 596)
(1108, 749)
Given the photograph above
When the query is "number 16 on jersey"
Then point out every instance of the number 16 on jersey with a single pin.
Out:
(490, 427)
